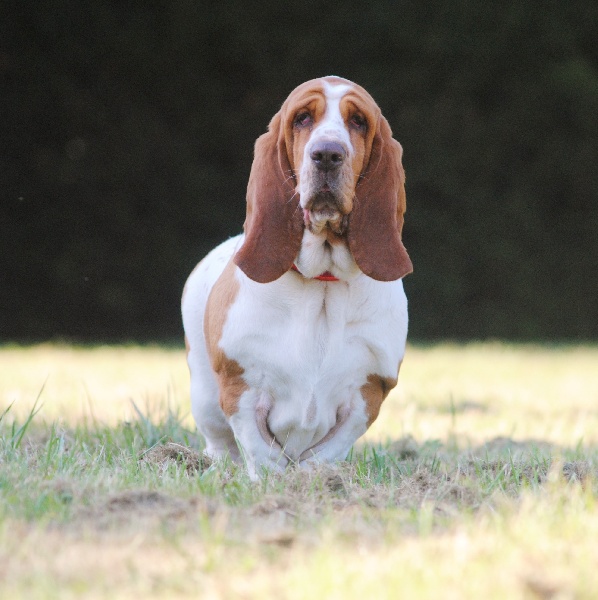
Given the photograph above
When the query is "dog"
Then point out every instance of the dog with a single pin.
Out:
(295, 330)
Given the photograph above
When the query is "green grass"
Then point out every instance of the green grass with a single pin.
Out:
(478, 479)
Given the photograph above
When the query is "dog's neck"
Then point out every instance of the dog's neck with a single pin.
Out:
(325, 254)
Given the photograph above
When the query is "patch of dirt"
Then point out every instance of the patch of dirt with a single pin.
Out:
(144, 509)
(172, 452)
(447, 490)
(321, 482)
(340, 488)
(281, 519)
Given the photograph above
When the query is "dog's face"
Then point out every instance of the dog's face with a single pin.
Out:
(329, 130)
(327, 162)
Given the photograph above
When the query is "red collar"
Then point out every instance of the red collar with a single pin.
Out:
(325, 276)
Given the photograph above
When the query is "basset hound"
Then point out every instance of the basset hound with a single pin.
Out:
(296, 329)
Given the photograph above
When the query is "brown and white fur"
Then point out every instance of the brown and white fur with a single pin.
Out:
(287, 368)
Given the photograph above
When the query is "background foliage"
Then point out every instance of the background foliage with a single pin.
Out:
(126, 142)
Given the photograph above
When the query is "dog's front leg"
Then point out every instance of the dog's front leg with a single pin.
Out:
(258, 446)
(350, 425)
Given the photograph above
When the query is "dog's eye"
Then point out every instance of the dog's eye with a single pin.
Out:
(357, 121)
(303, 119)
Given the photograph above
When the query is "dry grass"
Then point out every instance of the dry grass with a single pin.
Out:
(478, 479)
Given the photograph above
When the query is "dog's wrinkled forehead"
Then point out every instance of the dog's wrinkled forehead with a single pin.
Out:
(329, 89)
(332, 122)
(330, 102)
(335, 86)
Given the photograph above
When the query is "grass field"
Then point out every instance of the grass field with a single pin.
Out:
(477, 481)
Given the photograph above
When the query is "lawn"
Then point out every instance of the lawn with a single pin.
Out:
(477, 481)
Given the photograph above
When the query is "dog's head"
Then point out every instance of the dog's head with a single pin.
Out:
(328, 160)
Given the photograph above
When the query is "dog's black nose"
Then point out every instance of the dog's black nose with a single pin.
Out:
(328, 155)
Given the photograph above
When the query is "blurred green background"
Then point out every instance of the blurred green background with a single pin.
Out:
(126, 139)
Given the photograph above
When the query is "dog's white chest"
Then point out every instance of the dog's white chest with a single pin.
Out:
(308, 347)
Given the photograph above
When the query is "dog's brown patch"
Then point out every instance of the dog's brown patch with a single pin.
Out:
(228, 371)
(374, 392)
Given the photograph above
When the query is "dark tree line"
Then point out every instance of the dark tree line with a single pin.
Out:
(127, 130)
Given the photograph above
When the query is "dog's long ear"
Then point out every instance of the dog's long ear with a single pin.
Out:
(376, 222)
(274, 221)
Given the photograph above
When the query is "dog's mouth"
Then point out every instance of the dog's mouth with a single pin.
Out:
(323, 210)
